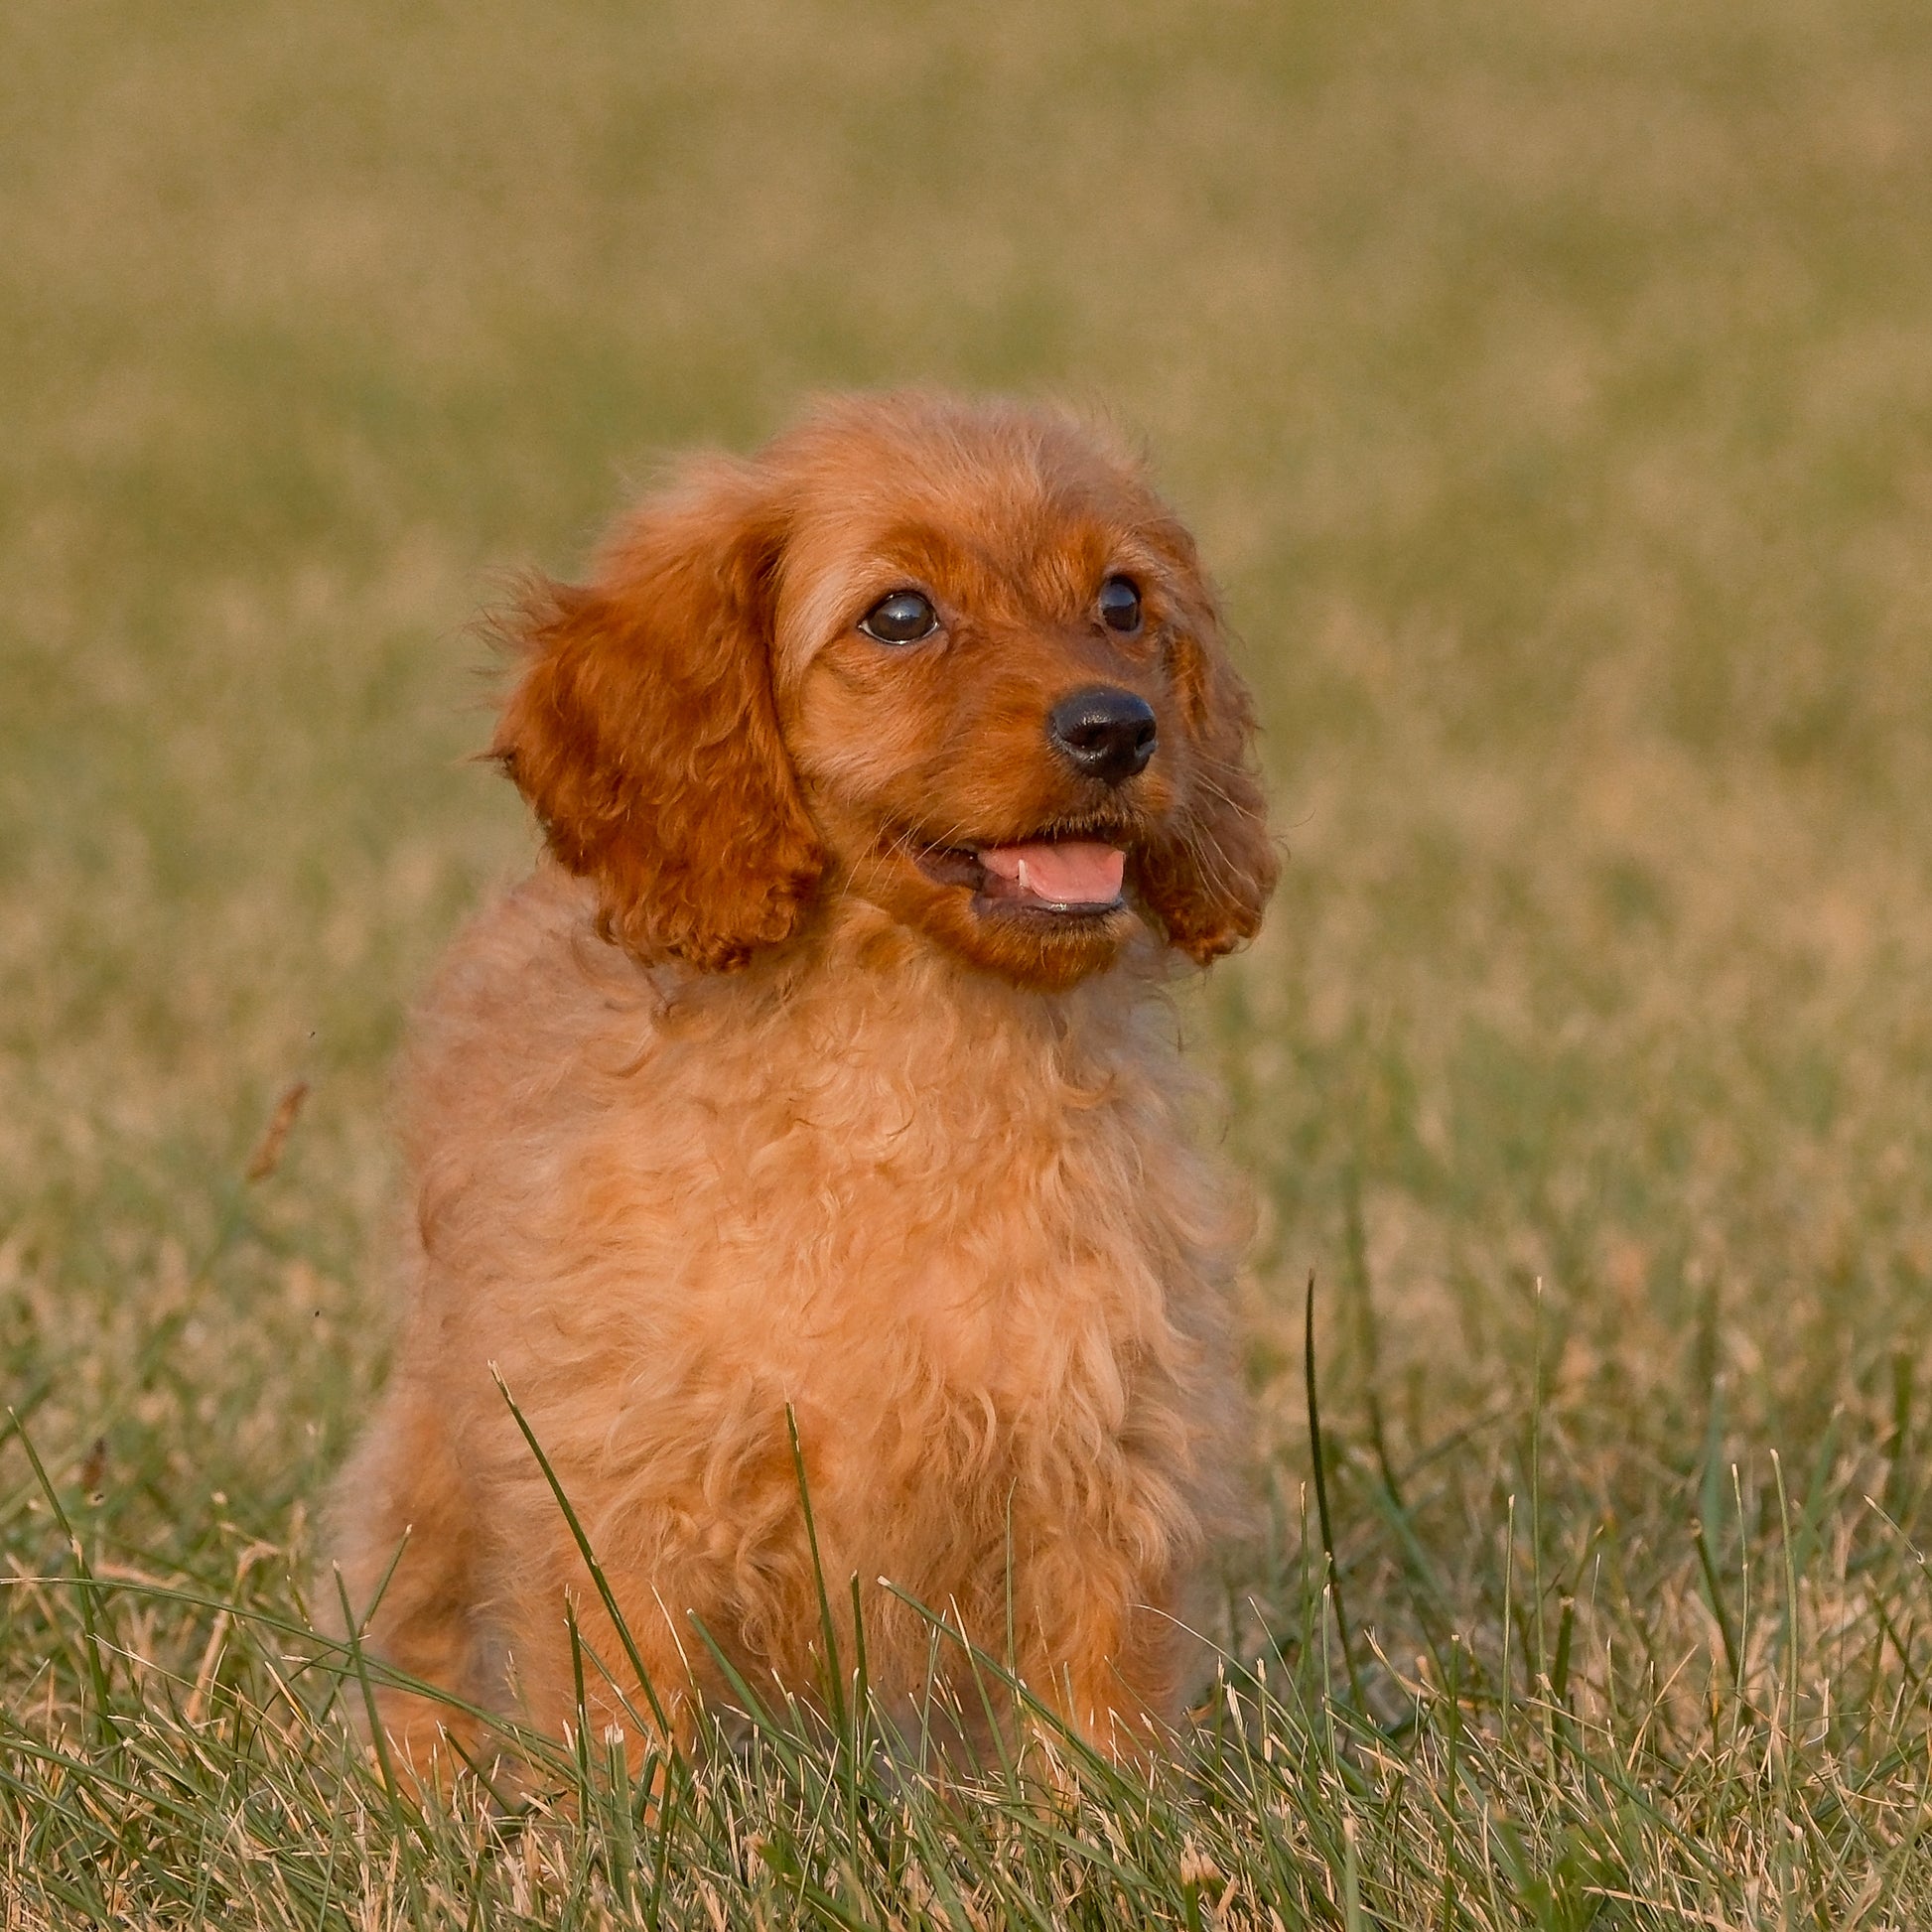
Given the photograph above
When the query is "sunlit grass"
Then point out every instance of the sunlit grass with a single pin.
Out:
(1550, 389)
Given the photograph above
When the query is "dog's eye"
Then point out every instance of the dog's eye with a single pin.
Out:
(1120, 605)
(902, 618)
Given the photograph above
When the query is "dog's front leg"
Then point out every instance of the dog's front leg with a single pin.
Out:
(561, 1635)
(1110, 1666)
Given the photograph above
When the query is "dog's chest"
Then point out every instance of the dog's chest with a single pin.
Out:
(989, 1208)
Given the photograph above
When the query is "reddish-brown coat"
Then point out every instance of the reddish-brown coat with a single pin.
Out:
(737, 1108)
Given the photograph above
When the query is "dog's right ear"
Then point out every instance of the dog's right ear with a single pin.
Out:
(645, 734)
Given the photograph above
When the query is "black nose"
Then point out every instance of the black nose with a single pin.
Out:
(1103, 733)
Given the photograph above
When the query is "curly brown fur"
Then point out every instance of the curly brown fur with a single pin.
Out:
(765, 1092)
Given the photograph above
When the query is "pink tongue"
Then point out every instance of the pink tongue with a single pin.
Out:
(1071, 874)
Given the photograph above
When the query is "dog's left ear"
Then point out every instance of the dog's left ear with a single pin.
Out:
(1209, 880)
(644, 732)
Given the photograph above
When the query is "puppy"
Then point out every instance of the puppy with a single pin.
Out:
(822, 1078)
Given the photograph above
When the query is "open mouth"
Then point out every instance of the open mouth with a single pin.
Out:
(1065, 878)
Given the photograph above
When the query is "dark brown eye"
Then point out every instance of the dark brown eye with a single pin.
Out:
(1120, 605)
(902, 618)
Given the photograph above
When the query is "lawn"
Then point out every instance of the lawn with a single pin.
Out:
(1551, 388)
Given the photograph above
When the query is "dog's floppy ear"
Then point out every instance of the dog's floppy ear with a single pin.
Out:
(1209, 880)
(643, 731)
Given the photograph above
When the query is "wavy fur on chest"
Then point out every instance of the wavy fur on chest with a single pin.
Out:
(953, 1226)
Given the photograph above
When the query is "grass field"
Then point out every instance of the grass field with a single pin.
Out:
(1552, 388)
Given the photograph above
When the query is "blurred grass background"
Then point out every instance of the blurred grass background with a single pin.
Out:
(1551, 388)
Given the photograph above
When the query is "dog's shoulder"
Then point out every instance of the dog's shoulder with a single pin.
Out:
(527, 992)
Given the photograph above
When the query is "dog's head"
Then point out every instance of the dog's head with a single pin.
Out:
(955, 659)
